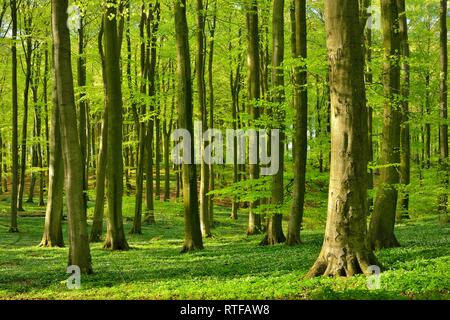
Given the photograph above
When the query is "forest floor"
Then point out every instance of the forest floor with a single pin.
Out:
(232, 265)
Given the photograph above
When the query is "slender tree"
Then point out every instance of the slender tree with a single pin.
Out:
(53, 236)
(14, 144)
(405, 143)
(193, 235)
(79, 253)
(299, 51)
(82, 105)
(383, 218)
(253, 64)
(201, 89)
(28, 48)
(345, 249)
(212, 30)
(100, 175)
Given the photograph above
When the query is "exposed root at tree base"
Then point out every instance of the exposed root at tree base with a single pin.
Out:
(13, 230)
(253, 231)
(272, 240)
(47, 243)
(95, 238)
(116, 247)
(189, 247)
(347, 265)
(293, 241)
(388, 242)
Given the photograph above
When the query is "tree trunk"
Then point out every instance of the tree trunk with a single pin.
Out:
(36, 147)
(26, 91)
(383, 219)
(212, 29)
(301, 123)
(443, 99)
(100, 175)
(193, 235)
(345, 250)
(405, 143)
(152, 29)
(167, 130)
(115, 237)
(82, 111)
(14, 145)
(1, 163)
(274, 225)
(79, 253)
(254, 91)
(201, 88)
(141, 133)
(369, 81)
(427, 140)
(53, 236)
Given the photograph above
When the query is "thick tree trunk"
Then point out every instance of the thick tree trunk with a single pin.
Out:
(115, 237)
(193, 235)
(405, 143)
(79, 253)
(14, 145)
(383, 218)
(301, 123)
(201, 88)
(274, 225)
(253, 61)
(345, 249)
(53, 236)
(443, 111)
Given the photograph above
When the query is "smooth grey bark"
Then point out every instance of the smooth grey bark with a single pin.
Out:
(345, 250)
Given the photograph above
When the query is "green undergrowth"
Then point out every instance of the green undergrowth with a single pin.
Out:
(232, 265)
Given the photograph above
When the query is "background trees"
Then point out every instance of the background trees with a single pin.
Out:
(251, 71)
